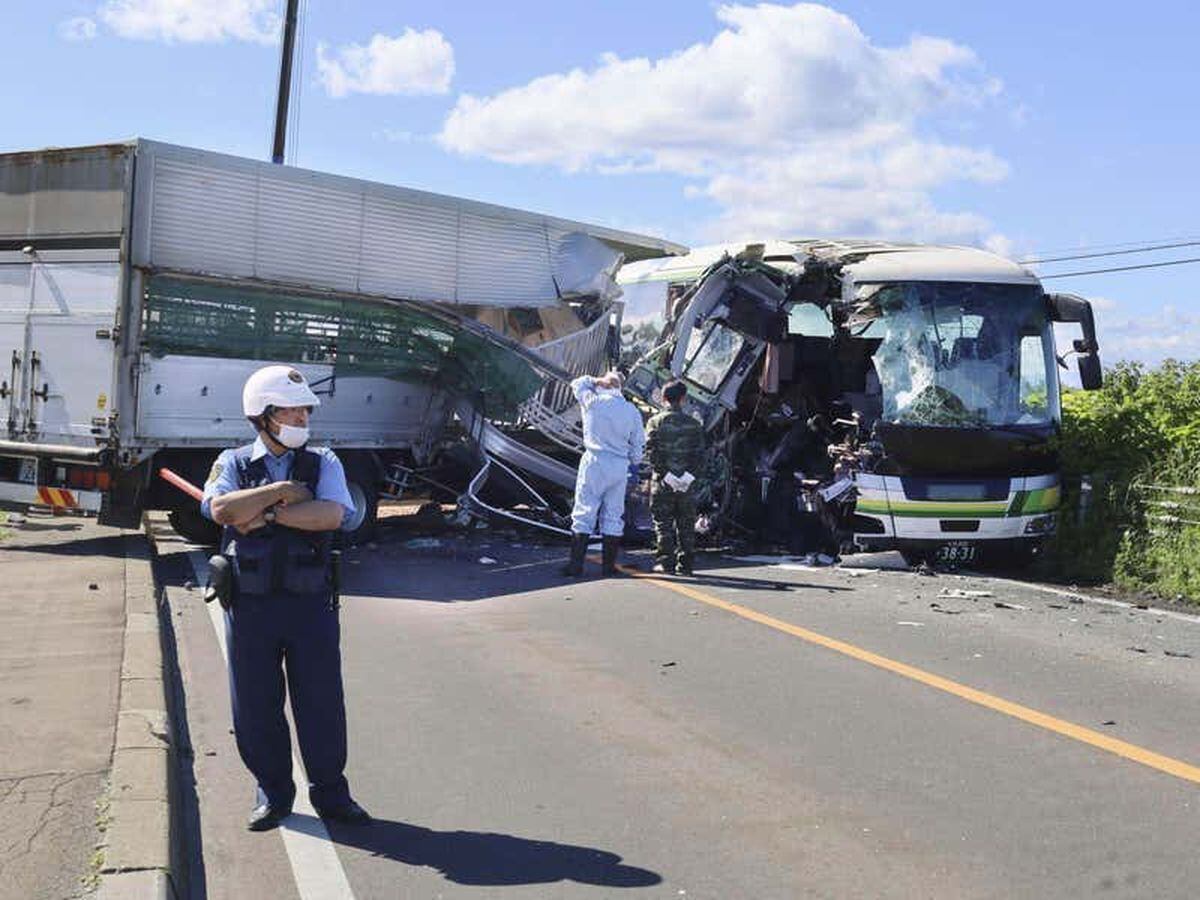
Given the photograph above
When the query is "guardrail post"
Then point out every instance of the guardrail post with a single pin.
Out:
(1085, 497)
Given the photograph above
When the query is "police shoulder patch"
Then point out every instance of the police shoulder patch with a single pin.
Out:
(215, 472)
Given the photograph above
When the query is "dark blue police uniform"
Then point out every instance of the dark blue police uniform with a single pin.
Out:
(284, 617)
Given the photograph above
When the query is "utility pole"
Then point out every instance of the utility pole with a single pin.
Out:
(285, 82)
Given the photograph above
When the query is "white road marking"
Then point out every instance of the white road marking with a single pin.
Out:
(315, 864)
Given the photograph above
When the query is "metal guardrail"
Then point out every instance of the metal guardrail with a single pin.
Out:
(1166, 507)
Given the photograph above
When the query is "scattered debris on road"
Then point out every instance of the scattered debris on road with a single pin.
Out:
(937, 607)
(422, 544)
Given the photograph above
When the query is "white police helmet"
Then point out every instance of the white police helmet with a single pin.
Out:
(276, 386)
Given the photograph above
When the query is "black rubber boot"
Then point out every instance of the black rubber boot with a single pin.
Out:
(611, 544)
(574, 566)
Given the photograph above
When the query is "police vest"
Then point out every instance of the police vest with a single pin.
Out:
(277, 559)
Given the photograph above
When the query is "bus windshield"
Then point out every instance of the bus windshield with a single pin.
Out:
(961, 355)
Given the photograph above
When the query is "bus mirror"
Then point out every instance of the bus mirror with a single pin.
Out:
(1090, 375)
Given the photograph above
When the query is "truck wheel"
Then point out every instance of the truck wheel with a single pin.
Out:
(360, 527)
(191, 525)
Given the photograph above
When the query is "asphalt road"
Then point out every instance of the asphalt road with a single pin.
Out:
(756, 731)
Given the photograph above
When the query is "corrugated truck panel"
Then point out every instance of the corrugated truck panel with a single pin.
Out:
(309, 233)
(406, 248)
(222, 215)
(504, 263)
(203, 219)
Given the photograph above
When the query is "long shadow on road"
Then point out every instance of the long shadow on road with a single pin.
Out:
(485, 858)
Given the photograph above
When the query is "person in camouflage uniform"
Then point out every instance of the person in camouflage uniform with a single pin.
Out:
(675, 444)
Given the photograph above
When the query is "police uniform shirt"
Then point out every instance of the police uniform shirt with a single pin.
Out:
(331, 477)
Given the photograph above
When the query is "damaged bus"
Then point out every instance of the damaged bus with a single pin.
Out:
(866, 394)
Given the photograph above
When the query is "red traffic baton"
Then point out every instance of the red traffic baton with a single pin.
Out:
(182, 483)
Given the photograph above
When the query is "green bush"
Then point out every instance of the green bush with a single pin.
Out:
(1142, 427)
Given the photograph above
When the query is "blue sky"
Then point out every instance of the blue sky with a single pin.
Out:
(1025, 127)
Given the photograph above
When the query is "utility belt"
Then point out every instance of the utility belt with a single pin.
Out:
(260, 566)
(274, 559)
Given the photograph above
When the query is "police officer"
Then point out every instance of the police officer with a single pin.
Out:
(613, 438)
(280, 503)
(675, 445)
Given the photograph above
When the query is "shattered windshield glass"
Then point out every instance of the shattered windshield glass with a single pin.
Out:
(959, 354)
(711, 354)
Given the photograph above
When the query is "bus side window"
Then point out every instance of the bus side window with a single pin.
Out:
(1034, 392)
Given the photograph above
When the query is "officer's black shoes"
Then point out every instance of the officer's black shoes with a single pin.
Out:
(684, 567)
(266, 817)
(610, 545)
(350, 814)
(574, 566)
(664, 568)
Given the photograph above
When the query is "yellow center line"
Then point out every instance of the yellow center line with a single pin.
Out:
(1123, 749)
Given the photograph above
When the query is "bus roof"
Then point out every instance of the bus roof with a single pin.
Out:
(864, 261)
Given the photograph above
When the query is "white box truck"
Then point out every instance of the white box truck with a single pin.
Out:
(141, 282)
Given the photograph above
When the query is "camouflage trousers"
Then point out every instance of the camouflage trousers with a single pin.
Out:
(674, 525)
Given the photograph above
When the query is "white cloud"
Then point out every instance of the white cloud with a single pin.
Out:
(791, 119)
(1167, 332)
(80, 28)
(193, 21)
(416, 62)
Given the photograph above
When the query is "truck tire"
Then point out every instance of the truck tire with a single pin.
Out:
(364, 491)
(190, 525)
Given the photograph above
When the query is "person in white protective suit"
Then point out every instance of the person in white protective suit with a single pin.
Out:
(614, 439)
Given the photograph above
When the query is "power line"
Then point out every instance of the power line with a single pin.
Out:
(1121, 246)
(1174, 262)
(1146, 249)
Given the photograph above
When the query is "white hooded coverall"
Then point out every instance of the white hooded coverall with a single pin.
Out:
(614, 440)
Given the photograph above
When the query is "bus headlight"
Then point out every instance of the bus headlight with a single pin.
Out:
(1040, 525)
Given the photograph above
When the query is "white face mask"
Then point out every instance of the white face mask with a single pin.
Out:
(291, 436)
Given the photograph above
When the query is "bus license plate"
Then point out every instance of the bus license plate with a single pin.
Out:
(956, 553)
(28, 472)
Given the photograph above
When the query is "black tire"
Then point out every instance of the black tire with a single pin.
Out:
(364, 491)
(191, 525)
(916, 558)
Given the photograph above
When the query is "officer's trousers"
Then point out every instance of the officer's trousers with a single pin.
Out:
(301, 632)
